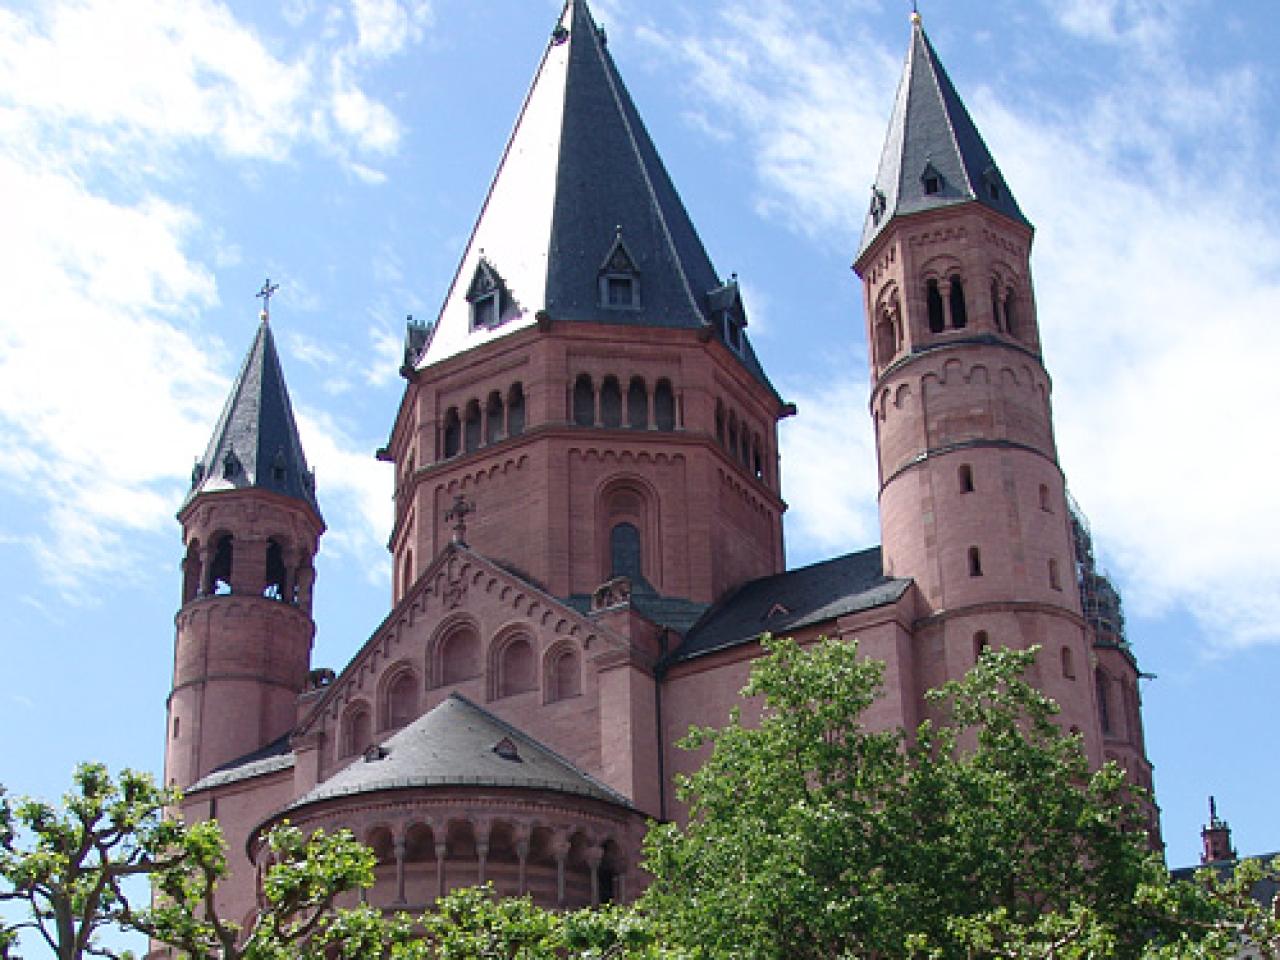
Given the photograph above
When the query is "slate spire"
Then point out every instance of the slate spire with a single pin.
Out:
(933, 155)
(579, 181)
(255, 443)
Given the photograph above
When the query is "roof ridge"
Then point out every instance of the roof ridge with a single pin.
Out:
(934, 67)
(611, 73)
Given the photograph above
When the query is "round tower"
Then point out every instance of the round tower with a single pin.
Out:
(251, 527)
(973, 503)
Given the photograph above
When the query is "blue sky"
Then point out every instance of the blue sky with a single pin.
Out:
(158, 160)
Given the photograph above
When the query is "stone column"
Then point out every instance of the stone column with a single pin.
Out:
(482, 849)
(400, 853)
(441, 849)
(206, 570)
(522, 855)
(560, 850)
(594, 854)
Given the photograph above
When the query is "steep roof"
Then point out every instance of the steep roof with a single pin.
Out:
(931, 135)
(580, 192)
(460, 744)
(793, 600)
(255, 442)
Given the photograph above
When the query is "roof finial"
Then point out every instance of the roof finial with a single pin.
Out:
(268, 288)
(915, 12)
(458, 514)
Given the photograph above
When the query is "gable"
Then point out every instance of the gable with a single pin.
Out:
(472, 628)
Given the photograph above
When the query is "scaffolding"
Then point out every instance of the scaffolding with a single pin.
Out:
(1098, 596)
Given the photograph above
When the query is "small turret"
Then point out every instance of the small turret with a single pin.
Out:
(251, 526)
(1215, 837)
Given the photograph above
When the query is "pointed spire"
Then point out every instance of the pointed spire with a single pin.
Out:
(255, 443)
(933, 155)
(578, 174)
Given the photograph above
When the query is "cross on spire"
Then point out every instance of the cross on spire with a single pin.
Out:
(458, 513)
(268, 288)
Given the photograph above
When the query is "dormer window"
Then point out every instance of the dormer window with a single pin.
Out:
(491, 303)
(619, 278)
(932, 180)
(728, 314)
(878, 203)
(991, 177)
(732, 330)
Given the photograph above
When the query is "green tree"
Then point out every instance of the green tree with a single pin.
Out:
(68, 867)
(812, 835)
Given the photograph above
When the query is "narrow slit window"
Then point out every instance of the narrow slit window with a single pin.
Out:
(959, 315)
(966, 478)
(1055, 578)
(975, 562)
(981, 642)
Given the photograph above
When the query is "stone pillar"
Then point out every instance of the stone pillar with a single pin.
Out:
(560, 850)
(400, 852)
(206, 571)
(594, 854)
(482, 849)
(441, 849)
(306, 580)
(522, 855)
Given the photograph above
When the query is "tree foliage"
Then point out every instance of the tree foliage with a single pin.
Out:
(68, 866)
(987, 834)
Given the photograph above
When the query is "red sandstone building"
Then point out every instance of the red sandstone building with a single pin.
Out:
(588, 525)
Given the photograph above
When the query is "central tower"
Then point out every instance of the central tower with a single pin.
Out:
(589, 384)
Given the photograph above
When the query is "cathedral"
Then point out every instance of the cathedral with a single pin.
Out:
(588, 540)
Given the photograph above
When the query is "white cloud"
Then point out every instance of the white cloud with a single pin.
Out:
(1156, 262)
(384, 27)
(106, 390)
(827, 455)
(780, 82)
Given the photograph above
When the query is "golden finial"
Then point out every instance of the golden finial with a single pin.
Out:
(915, 12)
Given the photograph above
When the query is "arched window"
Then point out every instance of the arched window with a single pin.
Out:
(637, 404)
(402, 699)
(1104, 700)
(220, 567)
(452, 433)
(459, 655)
(745, 454)
(584, 401)
(357, 730)
(406, 578)
(471, 427)
(626, 558)
(191, 572)
(516, 672)
(611, 403)
(494, 417)
(515, 410)
(966, 478)
(664, 405)
(981, 642)
(733, 435)
(959, 315)
(757, 461)
(937, 313)
(720, 423)
(564, 675)
(975, 562)
(997, 314)
(1068, 663)
(885, 344)
(1010, 318)
(276, 576)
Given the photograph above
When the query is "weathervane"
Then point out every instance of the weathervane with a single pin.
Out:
(268, 288)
